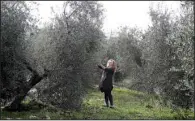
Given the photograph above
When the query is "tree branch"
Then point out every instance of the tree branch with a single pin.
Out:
(65, 5)
(72, 13)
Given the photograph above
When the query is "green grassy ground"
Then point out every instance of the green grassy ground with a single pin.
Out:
(129, 104)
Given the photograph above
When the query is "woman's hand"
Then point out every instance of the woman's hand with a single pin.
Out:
(100, 66)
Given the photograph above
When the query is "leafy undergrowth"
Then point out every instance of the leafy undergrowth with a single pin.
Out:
(129, 104)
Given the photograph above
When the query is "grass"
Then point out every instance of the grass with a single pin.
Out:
(129, 104)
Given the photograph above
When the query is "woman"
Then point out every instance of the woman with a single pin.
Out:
(106, 84)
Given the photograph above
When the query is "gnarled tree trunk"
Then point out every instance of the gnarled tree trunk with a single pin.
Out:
(15, 105)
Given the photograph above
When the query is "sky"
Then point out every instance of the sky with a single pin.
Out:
(118, 13)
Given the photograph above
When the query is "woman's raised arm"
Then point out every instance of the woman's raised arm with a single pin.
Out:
(101, 66)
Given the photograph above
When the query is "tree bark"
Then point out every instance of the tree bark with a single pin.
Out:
(15, 105)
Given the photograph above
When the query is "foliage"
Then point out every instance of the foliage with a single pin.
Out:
(68, 47)
(170, 72)
(159, 60)
(16, 20)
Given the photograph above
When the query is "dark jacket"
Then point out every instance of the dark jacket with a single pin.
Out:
(107, 79)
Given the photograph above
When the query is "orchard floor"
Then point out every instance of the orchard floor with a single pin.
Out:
(129, 105)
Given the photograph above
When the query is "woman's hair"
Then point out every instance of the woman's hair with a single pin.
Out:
(112, 64)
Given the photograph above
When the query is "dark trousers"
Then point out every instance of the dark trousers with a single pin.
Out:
(108, 97)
